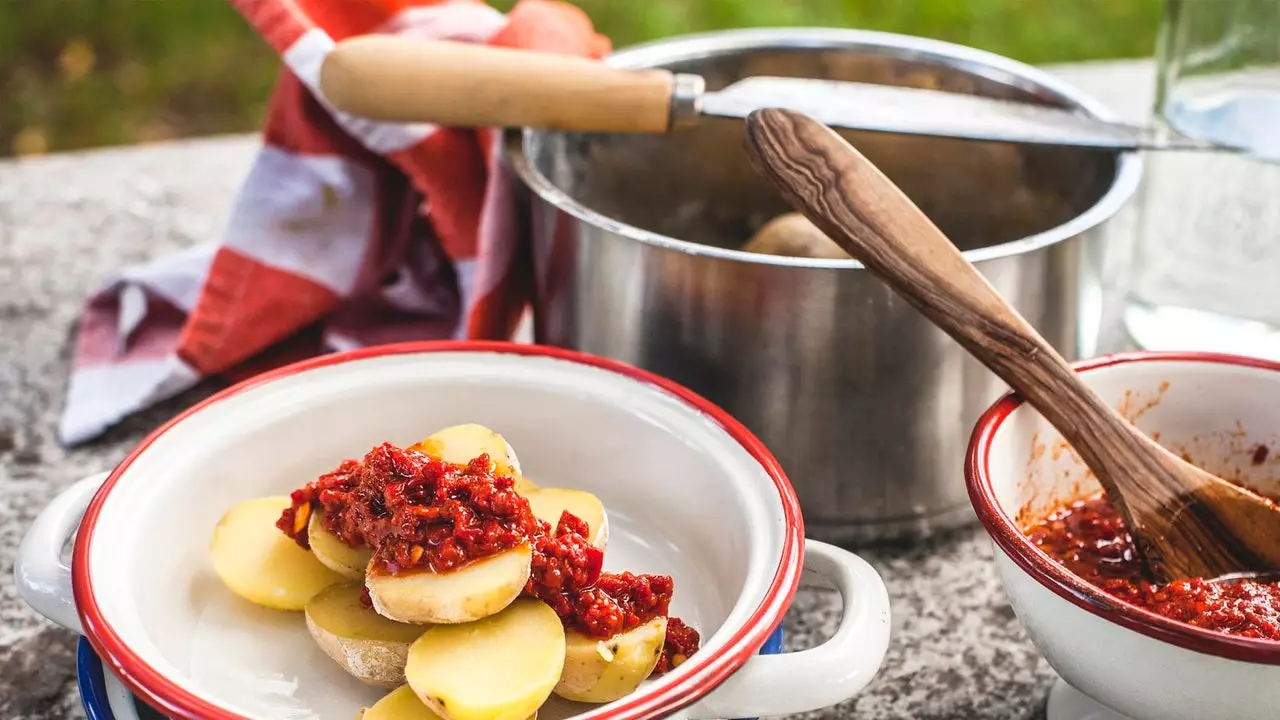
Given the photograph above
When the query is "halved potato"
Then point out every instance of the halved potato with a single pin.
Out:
(402, 704)
(261, 564)
(335, 554)
(469, 593)
(500, 668)
(361, 641)
(463, 443)
(524, 485)
(548, 503)
(601, 671)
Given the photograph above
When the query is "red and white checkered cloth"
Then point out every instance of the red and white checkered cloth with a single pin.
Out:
(345, 233)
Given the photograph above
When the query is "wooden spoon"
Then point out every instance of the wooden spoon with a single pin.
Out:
(1184, 521)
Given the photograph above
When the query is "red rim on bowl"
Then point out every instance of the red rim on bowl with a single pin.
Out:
(1006, 535)
(707, 672)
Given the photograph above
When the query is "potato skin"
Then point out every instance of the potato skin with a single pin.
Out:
(464, 595)
(261, 564)
(792, 235)
(370, 647)
(374, 662)
(601, 671)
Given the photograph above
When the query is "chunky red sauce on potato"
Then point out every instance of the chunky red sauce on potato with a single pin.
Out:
(567, 576)
(415, 511)
(564, 563)
(619, 602)
(682, 641)
(1088, 537)
(420, 513)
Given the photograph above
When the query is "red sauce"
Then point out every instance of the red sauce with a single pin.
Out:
(1088, 537)
(567, 576)
(332, 493)
(619, 602)
(418, 512)
(682, 641)
(564, 564)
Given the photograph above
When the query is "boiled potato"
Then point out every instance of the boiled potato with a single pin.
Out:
(601, 671)
(263, 565)
(402, 704)
(361, 641)
(548, 504)
(335, 554)
(463, 595)
(461, 444)
(793, 235)
(500, 668)
(524, 485)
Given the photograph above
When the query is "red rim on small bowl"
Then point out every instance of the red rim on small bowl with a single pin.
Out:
(167, 696)
(1005, 533)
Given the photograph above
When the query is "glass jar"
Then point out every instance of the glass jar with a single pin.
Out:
(1205, 269)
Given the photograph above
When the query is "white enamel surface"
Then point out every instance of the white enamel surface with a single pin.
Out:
(42, 578)
(822, 676)
(1217, 414)
(1067, 703)
(632, 445)
(119, 699)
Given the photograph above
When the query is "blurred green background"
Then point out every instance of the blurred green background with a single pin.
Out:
(82, 73)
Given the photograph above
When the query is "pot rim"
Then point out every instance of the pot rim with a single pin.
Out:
(1033, 561)
(745, 641)
(968, 59)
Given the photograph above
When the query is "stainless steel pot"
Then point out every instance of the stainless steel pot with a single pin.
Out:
(867, 406)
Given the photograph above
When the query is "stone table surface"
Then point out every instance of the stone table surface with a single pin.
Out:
(67, 221)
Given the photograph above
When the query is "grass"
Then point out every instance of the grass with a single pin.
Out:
(82, 73)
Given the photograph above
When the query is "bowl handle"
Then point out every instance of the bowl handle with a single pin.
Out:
(43, 580)
(822, 676)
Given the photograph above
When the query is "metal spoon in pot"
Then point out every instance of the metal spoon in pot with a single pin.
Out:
(1185, 522)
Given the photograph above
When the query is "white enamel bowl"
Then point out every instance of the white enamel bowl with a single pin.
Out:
(690, 493)
(1217, 409)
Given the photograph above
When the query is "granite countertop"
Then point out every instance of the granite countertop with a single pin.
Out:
(66, 221)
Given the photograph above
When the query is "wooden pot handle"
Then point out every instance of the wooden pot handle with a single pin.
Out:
(456, 84)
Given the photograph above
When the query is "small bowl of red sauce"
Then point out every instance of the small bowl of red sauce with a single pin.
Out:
(703, 526)
(1124, 646)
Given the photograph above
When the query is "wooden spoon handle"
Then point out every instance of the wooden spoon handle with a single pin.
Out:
(862, 210)
(397, 79)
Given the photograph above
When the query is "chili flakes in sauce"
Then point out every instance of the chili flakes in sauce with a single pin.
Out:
(419, 512)
(682, 641)
(566, 575)
(332, 492)
(416, 511)
(1089, 538)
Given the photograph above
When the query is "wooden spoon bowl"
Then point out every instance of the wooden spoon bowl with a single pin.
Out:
(1184, 521)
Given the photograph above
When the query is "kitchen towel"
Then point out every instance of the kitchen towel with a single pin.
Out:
(345, 233)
